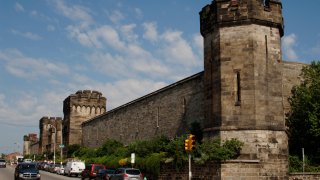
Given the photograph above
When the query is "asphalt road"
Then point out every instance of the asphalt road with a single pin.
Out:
(8, 174)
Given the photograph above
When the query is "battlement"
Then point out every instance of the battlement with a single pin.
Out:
(227, 13)
(45, 120)
(84, 98)
(88, 94)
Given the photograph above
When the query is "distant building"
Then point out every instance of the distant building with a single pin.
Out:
(28, 144)
(48, 136)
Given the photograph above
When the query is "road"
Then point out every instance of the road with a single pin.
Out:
(8, 174)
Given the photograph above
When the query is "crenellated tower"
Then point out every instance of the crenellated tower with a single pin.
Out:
(78, 108)
(47, 136)
(243, 81)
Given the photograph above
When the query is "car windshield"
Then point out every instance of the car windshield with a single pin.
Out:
(2, 160)
(27, 166)
(98, 167)
(133, 171)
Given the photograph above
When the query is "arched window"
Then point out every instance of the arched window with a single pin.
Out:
(266, 3)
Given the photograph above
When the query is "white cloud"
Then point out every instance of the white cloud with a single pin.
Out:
(114, 66)
(29, 107)
(22, 66)
(123, 91)
(51, 28)
(76, 13)
(128, 32)
(288, 44)
(177, 50)
(138, 13)
(97, 38)
(198, 42)
(27, 35)
(18, 7)
(116, 16)
(150, 33)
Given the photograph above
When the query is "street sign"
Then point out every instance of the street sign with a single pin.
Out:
(61, 145)
(132, 158)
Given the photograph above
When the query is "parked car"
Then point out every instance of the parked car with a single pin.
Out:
(3, 163)
(53, 168)
(60, 170)
(27, 171)
(104, 174)
(74, 168)
(27, 160)
(91, 170)
(127, 174)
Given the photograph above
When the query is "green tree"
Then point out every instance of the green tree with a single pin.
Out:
(71, 149)
(304, 117)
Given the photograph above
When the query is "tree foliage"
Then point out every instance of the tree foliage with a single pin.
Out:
(304, 117)
(151, 153)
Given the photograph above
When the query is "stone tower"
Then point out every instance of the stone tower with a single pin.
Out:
(78, 108)
(243, 84)
(46, 141)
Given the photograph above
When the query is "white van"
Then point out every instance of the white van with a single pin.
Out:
(74, 168)
(27, 160)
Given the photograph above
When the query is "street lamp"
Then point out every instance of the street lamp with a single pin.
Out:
(54, 142)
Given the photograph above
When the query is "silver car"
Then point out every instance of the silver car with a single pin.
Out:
(3, 163)
(127, 174)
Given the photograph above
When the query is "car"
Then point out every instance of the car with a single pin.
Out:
(91, 170)
(60, 170)
(3, 163)
(126, 174)
(26, 171)
(74, 168)
(27, 160)
(104, 174)
(53, 168)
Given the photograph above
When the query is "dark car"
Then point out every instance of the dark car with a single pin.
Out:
(26, 171)
(104, 174)
(3, 163)
(91, 170)
(126, 174)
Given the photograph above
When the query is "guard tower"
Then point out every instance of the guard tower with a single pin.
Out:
(243, 84)
(47, 136)
(78, 108)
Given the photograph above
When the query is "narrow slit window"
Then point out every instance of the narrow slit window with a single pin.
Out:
(184, 105)
(158, 114)
(266, 44)
(238, 88)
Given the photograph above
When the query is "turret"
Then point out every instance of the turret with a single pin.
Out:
(77, 108)
(243, 80)
(47, 136)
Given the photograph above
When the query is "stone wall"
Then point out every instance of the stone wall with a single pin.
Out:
(291, 77)
(168, 111)
(304, 176)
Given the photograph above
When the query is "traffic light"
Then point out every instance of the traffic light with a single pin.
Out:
(192, 142)
(189, 143)
(186, 145)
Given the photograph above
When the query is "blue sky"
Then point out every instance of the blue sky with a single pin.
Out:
(125, 49)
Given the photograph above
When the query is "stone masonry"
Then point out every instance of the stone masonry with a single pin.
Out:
(242, 93)
(168, 111)
(47, 135)
(78, 108)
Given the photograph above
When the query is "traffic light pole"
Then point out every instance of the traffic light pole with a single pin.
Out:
(190, 173)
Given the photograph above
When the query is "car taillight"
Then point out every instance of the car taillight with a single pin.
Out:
(141, 176)
(125, 175)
